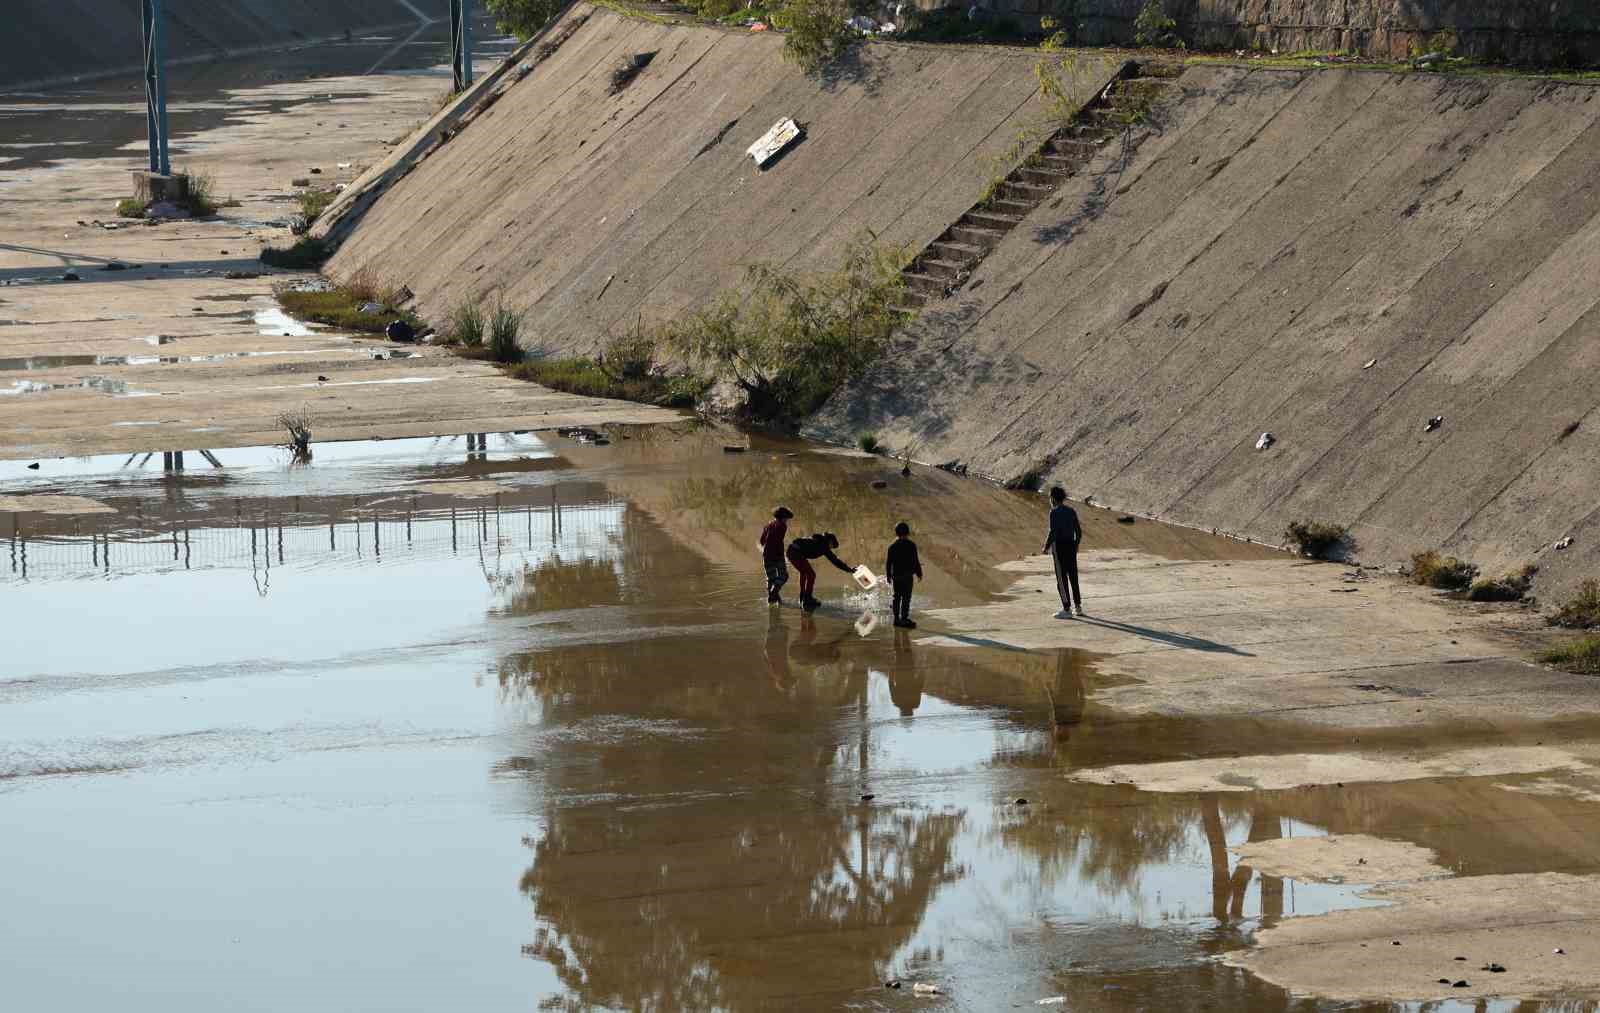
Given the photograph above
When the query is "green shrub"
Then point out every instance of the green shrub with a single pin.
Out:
(815, 33)
(342, 308)
(1316, 540)
(305, 255)
(199, 193)
(466, 325)
(505, 330)
(585, 377)
(1447, 573)
(789, 341)
(1583, 611)
(1511, 587)
(1154, 28)
(314, 202)
(868, 442)
(1581, 656)
(130, 207)
(523, 18)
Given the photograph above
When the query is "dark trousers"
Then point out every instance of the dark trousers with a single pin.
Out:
(1066, 558)
(808, 576)
(902, 597)
(777, 576)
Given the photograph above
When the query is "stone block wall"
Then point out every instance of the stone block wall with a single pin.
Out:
(1522, 31)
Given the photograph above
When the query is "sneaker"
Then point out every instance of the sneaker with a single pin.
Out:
(810, 604)
(773, 599)
(909, 624)
(1079, 611)
(1063, 614)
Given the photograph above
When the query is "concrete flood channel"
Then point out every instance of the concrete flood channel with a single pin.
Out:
(502, 721)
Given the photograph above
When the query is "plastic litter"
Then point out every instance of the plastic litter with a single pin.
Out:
(1266, 440)
(866, 624)
(1055, 1000)
(862, 23)
(1434, 423)
(865, 578)
(1564, 543)
(923, 988)
(1369, 364)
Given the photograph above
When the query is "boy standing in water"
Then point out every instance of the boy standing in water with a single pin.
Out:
(901, 568)
(771, 543)
(1065, 534)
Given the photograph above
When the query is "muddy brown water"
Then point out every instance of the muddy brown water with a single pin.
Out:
(330, 737)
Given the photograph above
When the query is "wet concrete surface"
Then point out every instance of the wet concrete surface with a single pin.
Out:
(503, 722)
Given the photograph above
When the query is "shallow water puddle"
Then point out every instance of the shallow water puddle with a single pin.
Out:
(513, 704)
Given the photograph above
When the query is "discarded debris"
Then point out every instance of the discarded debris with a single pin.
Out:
(733, 448)
(1493, 968)
(923, 988)
(1055, 1000)
(863, 24)
(770, 144)
(1434, 423)
(1022, 801)
(868, 797)
(1126, 519)
(891, 984)
(1563, 544)
(71, 276)
(1461, 984)
(628, 69)
(1369, 364)
(879, 483)
(400, 331)
(1265, 440)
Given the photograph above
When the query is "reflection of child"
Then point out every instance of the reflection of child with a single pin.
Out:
(771, 542)
(905, 682)
(901, 568)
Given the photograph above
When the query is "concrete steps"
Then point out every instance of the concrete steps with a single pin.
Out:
(947, 262)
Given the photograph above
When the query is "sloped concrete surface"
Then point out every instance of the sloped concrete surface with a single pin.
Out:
(1233, 267)
(592, 209)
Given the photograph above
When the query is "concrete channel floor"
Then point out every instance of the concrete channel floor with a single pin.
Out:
(1218, 673)
(170, 339)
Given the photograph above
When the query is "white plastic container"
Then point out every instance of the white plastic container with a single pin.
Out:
(865, 578)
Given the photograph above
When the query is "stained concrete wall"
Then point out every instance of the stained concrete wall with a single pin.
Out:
(1332, 257)
(50, 41)
(1542, 31)
(590, 210)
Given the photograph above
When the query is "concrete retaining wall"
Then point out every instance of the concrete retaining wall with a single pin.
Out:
(590, 209)
(1332, 257)
(60, 40)
(1229, 270)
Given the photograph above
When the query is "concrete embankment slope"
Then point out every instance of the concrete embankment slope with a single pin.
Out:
(59, 40)
(589, 208)
(1332, 257)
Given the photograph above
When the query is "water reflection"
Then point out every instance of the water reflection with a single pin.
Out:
(721, 805)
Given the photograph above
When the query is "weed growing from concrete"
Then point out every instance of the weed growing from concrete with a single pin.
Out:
(199, 193)
(629, 68)
(313, 202)
(1511, 587)
(1582, 612)
(363, 303)
(130, 207)
(505, 331)
(1447, 573)
(305, 255)
(467, 325)
(297, 425)
(1580, 656)
(868, 442)
(1316, 540)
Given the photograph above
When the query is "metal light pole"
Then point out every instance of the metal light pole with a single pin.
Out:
(461, 42)
(155, 85)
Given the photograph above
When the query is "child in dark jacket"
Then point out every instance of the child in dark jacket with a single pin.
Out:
(802, 551)
(771, 542)
(902, 568)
